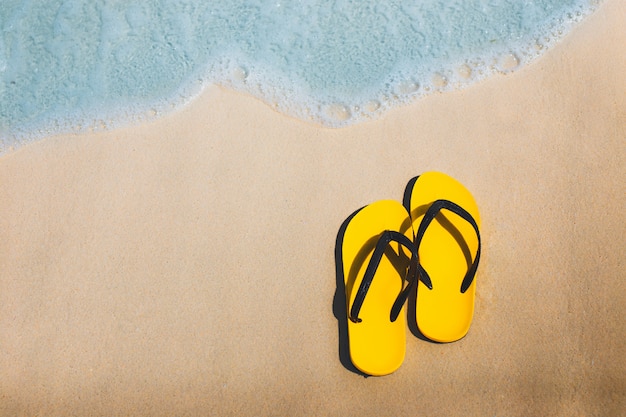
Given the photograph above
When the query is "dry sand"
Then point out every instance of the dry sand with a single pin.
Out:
(186, 266)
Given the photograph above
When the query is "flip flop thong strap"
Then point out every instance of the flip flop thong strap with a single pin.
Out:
(431, 213)
(385, 239)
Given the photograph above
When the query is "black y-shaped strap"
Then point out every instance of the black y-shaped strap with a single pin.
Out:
(385, 238)
(431, 213)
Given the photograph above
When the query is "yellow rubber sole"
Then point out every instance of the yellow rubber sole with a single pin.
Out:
(444, 314)
(377, 345)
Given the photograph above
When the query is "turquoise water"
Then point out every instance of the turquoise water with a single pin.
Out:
(79, 65)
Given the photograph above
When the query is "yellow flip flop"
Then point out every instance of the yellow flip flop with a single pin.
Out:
(446, 220)
(379, 262)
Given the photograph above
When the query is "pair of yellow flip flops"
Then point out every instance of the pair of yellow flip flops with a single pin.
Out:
(387, 247)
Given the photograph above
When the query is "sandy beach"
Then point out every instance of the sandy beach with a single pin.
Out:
(186, 266)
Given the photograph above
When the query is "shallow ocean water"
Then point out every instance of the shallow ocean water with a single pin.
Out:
(76, 65)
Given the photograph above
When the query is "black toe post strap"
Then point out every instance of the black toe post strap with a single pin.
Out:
(385, 238)
(431, 213)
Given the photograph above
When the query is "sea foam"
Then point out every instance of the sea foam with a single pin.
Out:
(76, 65)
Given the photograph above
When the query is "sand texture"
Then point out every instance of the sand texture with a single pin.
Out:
(186, 266)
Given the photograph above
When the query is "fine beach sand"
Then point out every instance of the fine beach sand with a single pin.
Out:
(187, 266)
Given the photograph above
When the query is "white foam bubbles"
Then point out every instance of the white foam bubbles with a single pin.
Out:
(439, 80)
(338, 112)
(464, 71)
(372, 106)
(68, 66)
(508, 62)
(407, 87)
(240, 74)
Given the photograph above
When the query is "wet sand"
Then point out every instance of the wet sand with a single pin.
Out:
(186, 266)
